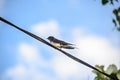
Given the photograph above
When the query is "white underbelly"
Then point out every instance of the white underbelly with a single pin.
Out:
(56, 44)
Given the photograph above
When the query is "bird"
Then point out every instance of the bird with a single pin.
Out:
(59, 43)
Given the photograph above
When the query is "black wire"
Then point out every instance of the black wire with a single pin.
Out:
(47, 43)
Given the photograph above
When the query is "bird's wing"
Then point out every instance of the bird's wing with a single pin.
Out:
(61, 42)
(65, 43)
(68, 47)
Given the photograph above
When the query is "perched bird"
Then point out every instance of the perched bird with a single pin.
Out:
(59, 43)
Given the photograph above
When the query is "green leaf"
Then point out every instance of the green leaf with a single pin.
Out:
(118, 28)
(118, 74)
(96, 78)
(116, 0)
(115, 11)
(119, 9)
(99, 75)
(111, 69)
(104, 2)
(101, 68)
(111, 1)
(115, 23)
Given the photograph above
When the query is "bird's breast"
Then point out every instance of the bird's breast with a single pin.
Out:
(56, 44)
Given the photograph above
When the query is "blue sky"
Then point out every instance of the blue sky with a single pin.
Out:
(85, 23)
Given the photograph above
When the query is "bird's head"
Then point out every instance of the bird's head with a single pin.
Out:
(50, 38)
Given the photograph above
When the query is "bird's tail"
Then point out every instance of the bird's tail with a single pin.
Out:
(70, 47)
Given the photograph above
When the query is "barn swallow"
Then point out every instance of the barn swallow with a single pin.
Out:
(59, 43)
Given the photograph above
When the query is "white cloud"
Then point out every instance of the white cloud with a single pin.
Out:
(16, 73)
(96, 50)
(65, 67)
(29, 65)
(21, 72)
(92, 49)
(28, 52)
(45, 29)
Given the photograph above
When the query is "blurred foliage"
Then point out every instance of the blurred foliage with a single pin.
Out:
(111, 70)
(104, 2)
(116, 20)
(116, 12)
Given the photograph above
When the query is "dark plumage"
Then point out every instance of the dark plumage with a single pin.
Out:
(59, 43)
